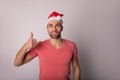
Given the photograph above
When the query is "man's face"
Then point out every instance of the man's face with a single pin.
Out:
(54, 29)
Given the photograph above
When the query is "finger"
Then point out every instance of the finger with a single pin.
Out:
(34, 39)
(34, 43)
(31, 36)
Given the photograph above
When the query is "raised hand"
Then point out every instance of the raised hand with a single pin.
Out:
(31, 42)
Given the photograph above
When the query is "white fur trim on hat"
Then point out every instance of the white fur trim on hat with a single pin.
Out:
(58, 18)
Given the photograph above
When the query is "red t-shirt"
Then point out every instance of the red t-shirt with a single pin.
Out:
(54, 63)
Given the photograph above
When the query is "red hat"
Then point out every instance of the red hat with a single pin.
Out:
(55, 16)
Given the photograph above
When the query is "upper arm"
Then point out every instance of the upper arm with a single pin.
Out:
(31, 54)
(75, 63)
(27, 58)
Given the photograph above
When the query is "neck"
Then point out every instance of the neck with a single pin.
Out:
(57, 43)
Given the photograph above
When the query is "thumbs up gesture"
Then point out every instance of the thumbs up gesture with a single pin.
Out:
(31, 42)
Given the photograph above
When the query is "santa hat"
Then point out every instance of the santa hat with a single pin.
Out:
(55, 16)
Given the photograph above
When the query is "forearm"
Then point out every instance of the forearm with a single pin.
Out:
(20, 56)
(77, 75)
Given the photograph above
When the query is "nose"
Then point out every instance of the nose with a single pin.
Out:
(54, 28)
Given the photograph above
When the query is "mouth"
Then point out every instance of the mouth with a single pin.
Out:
(54, 32)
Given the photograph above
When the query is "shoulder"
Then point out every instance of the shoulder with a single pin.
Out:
(69, 42)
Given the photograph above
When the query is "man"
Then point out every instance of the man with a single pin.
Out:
(55, 54)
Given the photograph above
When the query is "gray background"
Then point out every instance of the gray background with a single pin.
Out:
(92, 24)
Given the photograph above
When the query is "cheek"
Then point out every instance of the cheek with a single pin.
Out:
(49, 30)
(60, 29)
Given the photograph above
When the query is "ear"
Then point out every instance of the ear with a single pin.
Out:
(61, 28)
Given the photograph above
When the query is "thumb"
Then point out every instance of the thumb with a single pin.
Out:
(31, 35)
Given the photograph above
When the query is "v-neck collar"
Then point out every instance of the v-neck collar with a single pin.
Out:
(54, 47)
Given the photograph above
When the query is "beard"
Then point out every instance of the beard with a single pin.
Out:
(55, 36)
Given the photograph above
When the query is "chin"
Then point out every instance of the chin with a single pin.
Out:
(55, 36)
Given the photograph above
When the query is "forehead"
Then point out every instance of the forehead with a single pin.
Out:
(54, 22)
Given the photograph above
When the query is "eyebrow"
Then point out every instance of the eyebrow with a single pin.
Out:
(56, 24)
(49, 25)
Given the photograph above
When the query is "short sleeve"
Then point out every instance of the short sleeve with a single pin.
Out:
(32, 53)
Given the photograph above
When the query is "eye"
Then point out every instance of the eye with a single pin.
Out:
(58, 25)
(49, 25)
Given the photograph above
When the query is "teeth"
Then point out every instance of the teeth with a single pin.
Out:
(54, 32)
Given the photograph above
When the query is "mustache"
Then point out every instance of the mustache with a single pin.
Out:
(54, 31)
